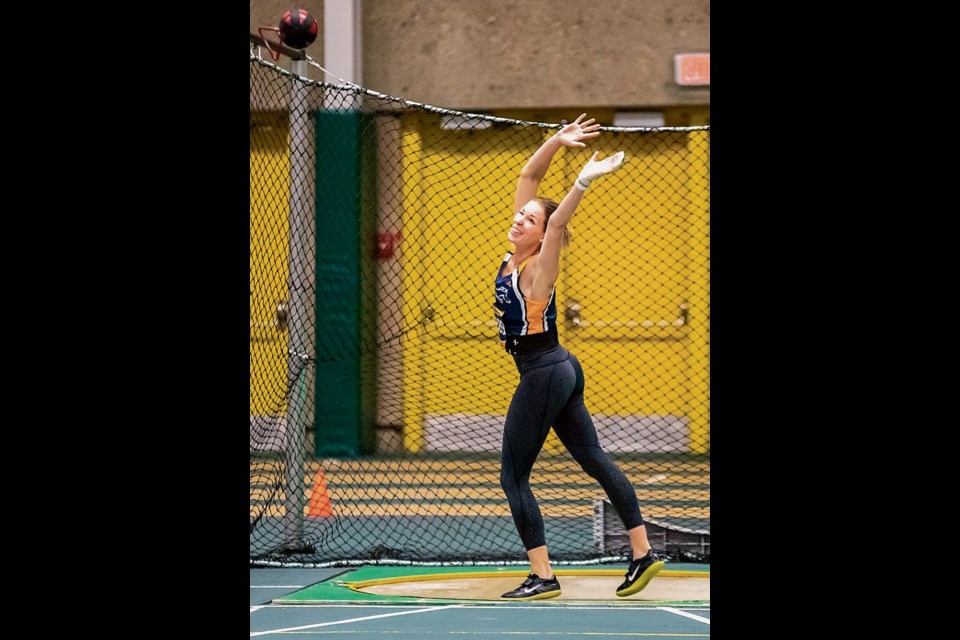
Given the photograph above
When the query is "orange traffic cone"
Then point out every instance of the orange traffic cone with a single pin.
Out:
(319, 506)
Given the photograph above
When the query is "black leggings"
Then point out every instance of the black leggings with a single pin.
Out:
(550, 392)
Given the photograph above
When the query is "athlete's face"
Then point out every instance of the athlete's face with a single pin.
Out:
(527, 228)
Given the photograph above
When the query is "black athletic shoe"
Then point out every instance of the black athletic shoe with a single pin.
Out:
(639, 574)
(535, 588)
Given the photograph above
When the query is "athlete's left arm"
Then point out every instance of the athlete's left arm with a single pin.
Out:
(548, 263)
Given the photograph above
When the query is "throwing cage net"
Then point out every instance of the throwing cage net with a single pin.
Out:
(378, 386)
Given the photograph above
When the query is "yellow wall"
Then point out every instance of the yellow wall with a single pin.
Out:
(640, 254)
(639, 259)
(269, 232)
(463, 371)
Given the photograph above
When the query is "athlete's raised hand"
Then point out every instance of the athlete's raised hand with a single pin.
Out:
(594, 168)
(574, 133)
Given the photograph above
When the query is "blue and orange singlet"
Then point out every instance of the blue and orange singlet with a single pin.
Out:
(516, 314)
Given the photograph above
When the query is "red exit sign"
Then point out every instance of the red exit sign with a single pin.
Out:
(692, 69)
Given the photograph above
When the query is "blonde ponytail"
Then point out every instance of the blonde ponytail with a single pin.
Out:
(549, 206)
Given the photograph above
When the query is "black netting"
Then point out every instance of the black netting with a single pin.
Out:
(378, 386)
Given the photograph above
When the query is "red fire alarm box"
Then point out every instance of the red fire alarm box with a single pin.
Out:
(386, 244)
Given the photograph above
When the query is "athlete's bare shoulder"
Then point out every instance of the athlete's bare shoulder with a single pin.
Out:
(529, 273)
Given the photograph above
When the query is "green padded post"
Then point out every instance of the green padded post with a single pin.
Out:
(346, 321)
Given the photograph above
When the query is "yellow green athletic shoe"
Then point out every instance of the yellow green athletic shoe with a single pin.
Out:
(535, 588)
(639, 574)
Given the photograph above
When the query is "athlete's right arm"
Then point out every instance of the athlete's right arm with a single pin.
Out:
(570, 136)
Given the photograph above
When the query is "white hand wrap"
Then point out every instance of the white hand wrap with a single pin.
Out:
(593, 169)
